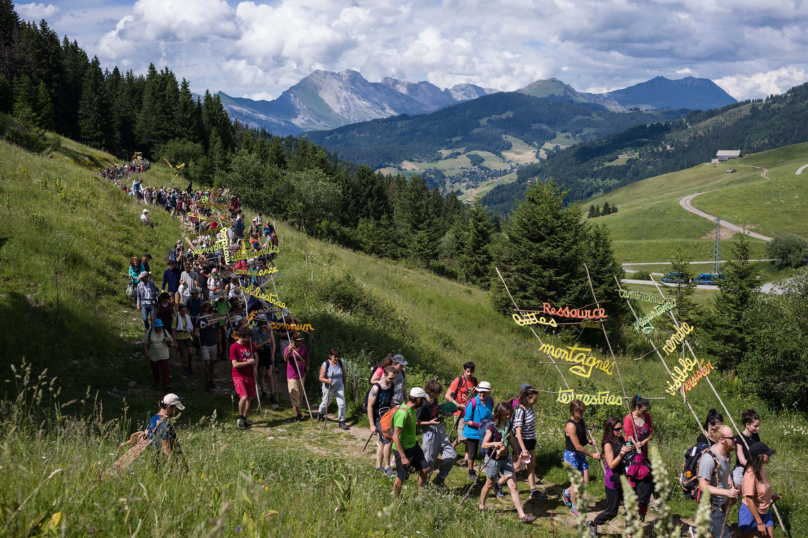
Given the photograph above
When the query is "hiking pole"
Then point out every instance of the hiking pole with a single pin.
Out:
(367, 442)
(474, 484)
(258, 396)
(327, 401)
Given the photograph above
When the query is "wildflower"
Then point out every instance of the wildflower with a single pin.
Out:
(238, 529)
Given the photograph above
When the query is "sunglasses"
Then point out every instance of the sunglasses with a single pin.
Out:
(730, 438)
(618, 429)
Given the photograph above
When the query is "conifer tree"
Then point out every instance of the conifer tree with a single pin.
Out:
(185, 115)
(597, 210)
(477, 256)
(146, 127)
(603, 267)
(45, 108)
(687, 311)
(6, 95)
(94, 108)
(606, 209)
(25, 102)
(541, 258)
(591, 214)
(737, 291)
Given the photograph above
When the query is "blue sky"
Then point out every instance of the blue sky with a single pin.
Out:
(258, 49)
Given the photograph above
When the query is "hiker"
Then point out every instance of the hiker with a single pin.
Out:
(194, 306)
(144, 218)
(750, 435)
(435, 440)
(459, 393)
(187, 283)
(332, 376)
(380, 400)
(160, 430)
(408, 453)
(575, 439)
(146, 297)
(165, 310)
(264, 341)
(755, 514)
(182, 327)
(498, 436)
(378, 369)
(242, 358)
(613, 450)
(297, 365)
(146, 262)
(171, 281)
(711, 425)
(715, 477)
(156, 342)
(210, 347)
(135, 268)
(477, 411)
(524, 425)
(638, 430)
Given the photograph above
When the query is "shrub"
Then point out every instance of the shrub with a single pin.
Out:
(788, 250)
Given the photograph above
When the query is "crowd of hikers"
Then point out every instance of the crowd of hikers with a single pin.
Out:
(201, 312)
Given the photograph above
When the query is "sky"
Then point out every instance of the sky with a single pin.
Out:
(259, 49)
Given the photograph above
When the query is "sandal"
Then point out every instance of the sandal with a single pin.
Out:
(482, 508)
(527, 518)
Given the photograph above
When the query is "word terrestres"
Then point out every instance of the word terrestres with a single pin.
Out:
(601, 398)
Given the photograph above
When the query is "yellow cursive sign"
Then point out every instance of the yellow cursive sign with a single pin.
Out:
(601, 398)
(576, 354)
(530, 319)
(677, 338)
(257, 293)
(680, 375)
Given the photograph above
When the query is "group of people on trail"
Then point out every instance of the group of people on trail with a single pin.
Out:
(120, 171)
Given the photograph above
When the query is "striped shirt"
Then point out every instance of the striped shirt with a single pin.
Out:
(526, 419)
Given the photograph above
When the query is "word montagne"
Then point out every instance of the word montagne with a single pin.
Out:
(578, 355)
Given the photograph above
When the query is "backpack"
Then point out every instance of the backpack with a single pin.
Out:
(367, 396)
(373, 370)
(386, 421)
(689, 477)
(482, 428)
(459, 381)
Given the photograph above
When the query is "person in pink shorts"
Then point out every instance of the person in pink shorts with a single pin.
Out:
(244, 357)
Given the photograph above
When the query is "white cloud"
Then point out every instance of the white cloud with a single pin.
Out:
(249, 47)
(35, 12)
(761, 84)
(260, 96)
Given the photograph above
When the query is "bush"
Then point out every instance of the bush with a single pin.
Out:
(475, 159)
(788, 250)
(640, 275)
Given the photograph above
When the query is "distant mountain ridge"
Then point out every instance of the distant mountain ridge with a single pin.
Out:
(326, 100)
(658, 93)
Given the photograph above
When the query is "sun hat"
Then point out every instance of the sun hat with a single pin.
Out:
(158, 323)
(418, 392)
(145, 210)
(399, 359)
(484, 386)
(173, 399)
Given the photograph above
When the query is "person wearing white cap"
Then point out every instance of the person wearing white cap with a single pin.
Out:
(160, 430)
(478, 410)
(144, 218)
(405, 443)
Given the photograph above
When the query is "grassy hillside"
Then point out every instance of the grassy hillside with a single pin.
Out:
(82, 331)
(651, 224)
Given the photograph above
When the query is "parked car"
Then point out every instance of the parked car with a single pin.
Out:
(708, 279)
(676, 278)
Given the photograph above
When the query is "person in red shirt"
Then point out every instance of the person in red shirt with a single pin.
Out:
(460, 392)
(243, 357)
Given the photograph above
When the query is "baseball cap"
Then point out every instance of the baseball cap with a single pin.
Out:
(142, 275)
(756, 449)
(158, 323)
(173, 399)
(399, 359)
(484, 386)
(418, 392)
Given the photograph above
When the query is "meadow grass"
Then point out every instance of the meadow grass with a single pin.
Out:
(365, 306)
(650, 224)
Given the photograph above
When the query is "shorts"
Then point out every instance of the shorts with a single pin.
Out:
(473, 446)
(382, 439)
(417, 462)
(530, 444)
(493, 468)
(746, 521)
(295, 387)
(245, 386)
(737, 476)
(577, 460)
(178, 298)
(185, 343)
(264, 358)
(209, 353)
(460, 425)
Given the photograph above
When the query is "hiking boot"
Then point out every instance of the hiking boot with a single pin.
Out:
(273, 398)
(241, 424)
(574, 510)
(263, 395)
(439, 482)
(277, 371)
(299, 417)
(472, 475)
(185, 373)
(536, 494)
(389, 472)
(692, 531)
(320, 417)
(593, 530)
(211, 385)
(343, 426)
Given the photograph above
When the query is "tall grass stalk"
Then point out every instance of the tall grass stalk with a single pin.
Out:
(633, 523)
(662, 488)
(577, 480)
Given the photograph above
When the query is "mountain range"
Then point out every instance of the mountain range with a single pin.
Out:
(658, 93)
(326, 100)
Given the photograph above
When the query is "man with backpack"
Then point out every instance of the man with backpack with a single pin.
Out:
(155, 344)
(378, 401)
(408, 451)
(715, 477)
(459, 393)
(479, 410)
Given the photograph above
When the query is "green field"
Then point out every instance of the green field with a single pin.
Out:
(62, 308)
(651, 225)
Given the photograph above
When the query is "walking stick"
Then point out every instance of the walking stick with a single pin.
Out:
(367, 442)
(468, 398)
(258, 397)
(327, 401)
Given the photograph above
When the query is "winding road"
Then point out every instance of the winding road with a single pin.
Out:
(687, 204)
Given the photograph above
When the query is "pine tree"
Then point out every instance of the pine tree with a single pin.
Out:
(603, 267)
(94, 108)
(25, 102)
(45, 108)
(687, 311)
(146, 126)
(542, 255)
(477, 256)
(9, 40)
(606, 209)
(185, 115)
(591, 214)
(597, 210)
(6, 95)
(167, 125)
(736, 292)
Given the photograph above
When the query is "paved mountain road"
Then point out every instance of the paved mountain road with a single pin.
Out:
(687, 204)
